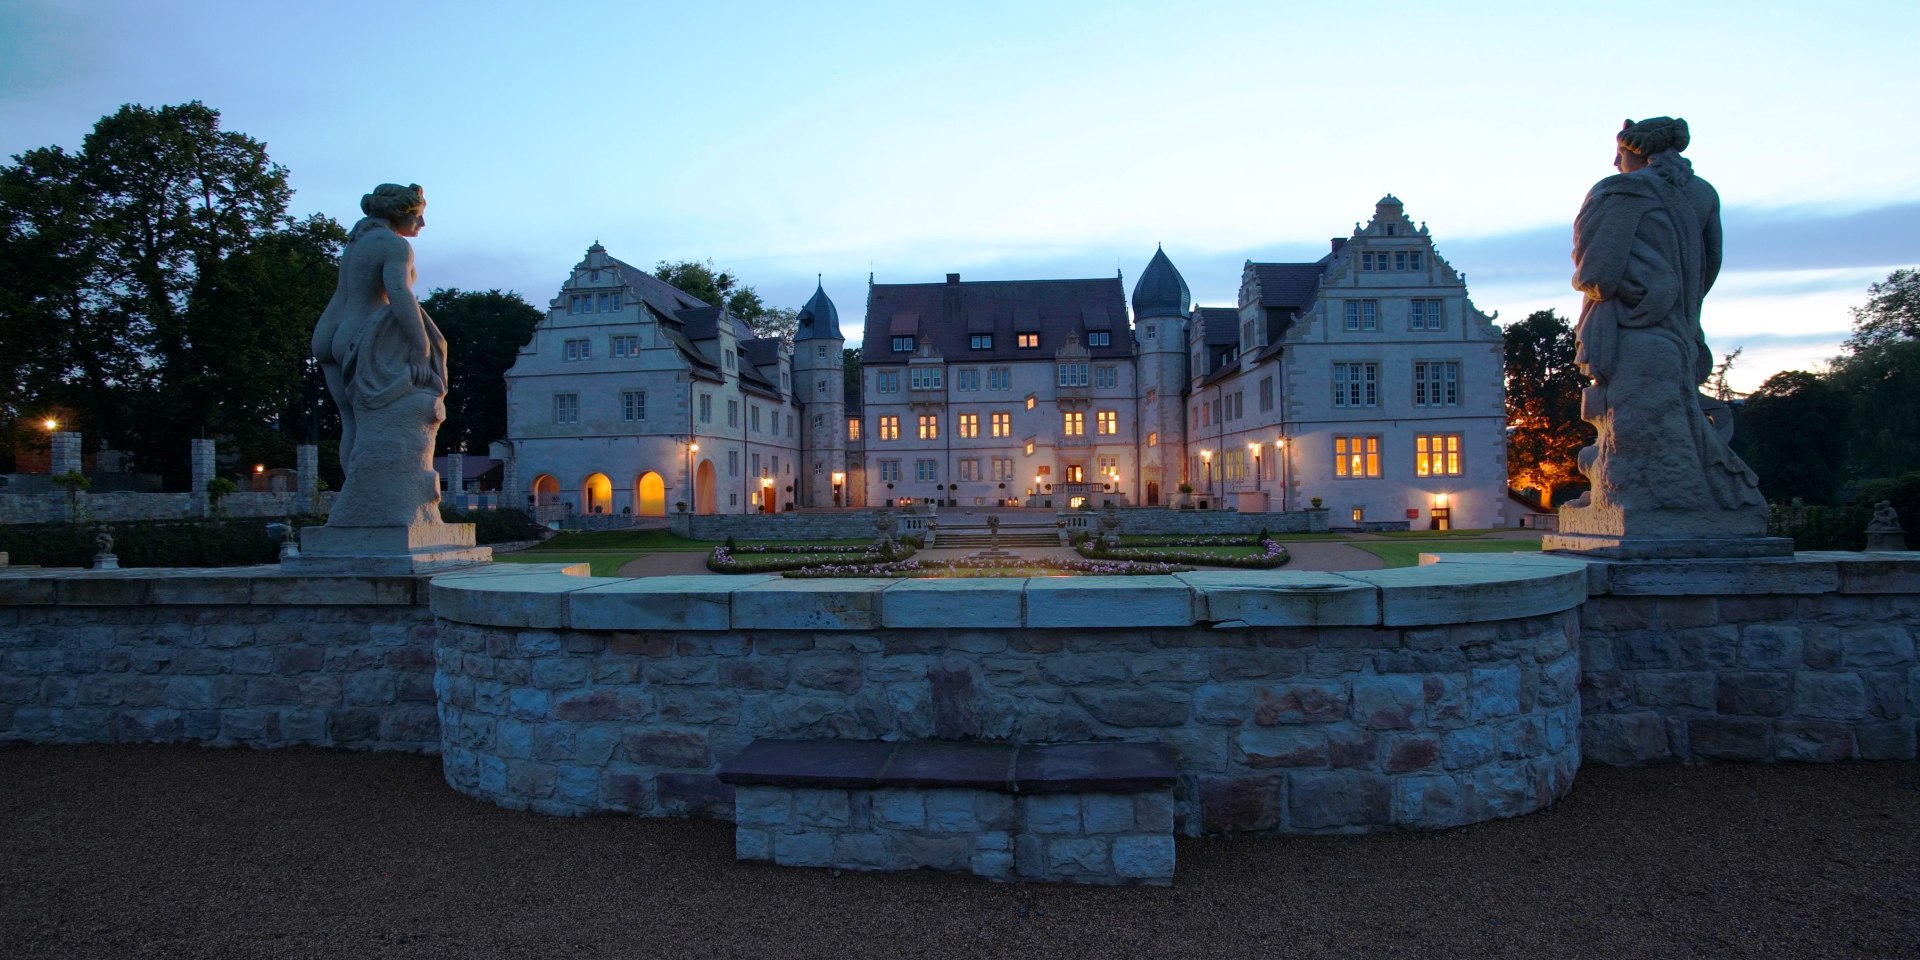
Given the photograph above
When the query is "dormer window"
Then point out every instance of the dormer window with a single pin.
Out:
(902, 344)
(1028, 341)
(980, 341)
(1099, 338)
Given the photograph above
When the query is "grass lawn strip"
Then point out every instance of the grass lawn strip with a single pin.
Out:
(1408, 554)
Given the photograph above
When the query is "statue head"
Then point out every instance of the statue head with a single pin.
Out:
(402, 207)
(1637, 143)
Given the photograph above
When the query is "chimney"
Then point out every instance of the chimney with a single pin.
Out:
(953, 279)
(1339, 242)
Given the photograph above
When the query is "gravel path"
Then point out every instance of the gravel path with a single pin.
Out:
(150, 851)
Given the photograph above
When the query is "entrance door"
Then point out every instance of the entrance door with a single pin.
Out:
(1153, 493)
(704, 495)
(596, 494)
(650, 494)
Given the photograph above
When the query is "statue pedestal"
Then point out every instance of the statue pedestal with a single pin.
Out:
(387, 551)
(1666, 548)
(1882, 542)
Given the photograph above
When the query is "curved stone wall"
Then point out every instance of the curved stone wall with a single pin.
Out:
(1299, 702)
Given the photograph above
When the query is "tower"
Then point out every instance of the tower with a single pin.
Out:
(1160, 303)
(819, 387)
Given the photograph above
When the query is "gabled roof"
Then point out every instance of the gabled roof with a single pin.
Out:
(654, 290)
(947, 315)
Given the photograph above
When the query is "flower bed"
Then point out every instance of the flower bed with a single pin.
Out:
(1271, 554)
(771, 559)
(986, 567)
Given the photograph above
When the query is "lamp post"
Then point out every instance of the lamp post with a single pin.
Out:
(1281, 450)
(693, 496)
(839, 479)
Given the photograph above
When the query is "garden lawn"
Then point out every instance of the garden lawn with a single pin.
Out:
(609, 550)
(1408, 554)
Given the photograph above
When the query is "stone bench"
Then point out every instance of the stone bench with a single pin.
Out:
(1098, 813)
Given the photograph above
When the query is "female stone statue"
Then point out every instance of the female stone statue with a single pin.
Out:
(386, 366)
(1646, 249)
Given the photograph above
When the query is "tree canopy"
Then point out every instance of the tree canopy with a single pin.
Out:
(722, 289)
(1793, 433)
(154, 283)
(1544, 429)
(484, 333)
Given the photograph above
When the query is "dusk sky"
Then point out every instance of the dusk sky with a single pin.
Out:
(1034, 140)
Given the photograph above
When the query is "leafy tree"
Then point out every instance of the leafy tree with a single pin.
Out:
(1544, 429)
(1793, 433)
(484, 331)
(1880, 372)
(717, 287)
(850, 371)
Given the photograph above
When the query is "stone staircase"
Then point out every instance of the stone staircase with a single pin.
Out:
(980, 540)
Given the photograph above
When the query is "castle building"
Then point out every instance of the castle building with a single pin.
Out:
(1364, 382)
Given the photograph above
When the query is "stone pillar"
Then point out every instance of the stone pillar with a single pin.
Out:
(456, 479)
(202, 457)
(66, 452)
(306, 469)
(511, 496)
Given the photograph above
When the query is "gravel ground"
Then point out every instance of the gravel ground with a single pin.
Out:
(150, 851)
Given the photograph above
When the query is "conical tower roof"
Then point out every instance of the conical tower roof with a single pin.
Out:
(819, 319)
(1161, 291)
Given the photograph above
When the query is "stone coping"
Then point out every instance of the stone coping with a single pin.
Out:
(266, 584)
(931, 764)
(1455, 588)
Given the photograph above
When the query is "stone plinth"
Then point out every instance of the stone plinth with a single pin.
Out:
(390, 551)
(1614, 547)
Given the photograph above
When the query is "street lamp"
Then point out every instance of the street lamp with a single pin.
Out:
(1280, 450)
(51, 424)
(693, 496)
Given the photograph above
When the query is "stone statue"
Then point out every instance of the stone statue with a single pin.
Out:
(103, 558)
(1884, 531)
(386, 366)
(1646, 250)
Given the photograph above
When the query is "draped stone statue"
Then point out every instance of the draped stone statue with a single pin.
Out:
(386, 366)
(1646, 250)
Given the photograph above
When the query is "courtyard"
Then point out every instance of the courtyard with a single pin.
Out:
(180, 851)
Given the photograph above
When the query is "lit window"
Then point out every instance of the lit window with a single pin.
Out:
(1073, 423)
(1363, 314)
(1356, 384)
(853, 428)
(1029, 449)
(969, 426)
(902, 344)
(1436, 383)
(890, 428)
(1002, 424)
(929, 426)
(566, 408)
(1424, 315)
(1099, 338)
(1076, 473)
(1436, 455)
(1153, 438)
(579, 350)
(1356, 456)
(981, 341)
(1032, 401)
(1108, 422)
(633, 405)
(1028, 341)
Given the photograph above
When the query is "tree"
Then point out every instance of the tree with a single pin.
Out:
(717, 287)
(850, 371)
(1793, 433)
(1880, 372)
(1544, 429)
(484, 332)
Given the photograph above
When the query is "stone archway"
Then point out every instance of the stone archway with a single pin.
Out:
(596, 494)
(650, 495)
(705, 496)
(545, 495)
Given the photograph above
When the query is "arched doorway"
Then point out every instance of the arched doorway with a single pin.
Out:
(650, 495)
(1153, 493)
(546, 498)
(596, 494)
(704, 494)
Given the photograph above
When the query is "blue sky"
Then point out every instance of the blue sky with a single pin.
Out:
(1005, 140)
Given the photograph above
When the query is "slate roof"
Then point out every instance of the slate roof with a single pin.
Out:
(946, 314)
(1161, 291)
(1288, 285)
(819, 318)
(1220, 326)
(667, 297)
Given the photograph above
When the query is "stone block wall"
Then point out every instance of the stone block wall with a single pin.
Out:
(111, 507)
(240, 657)
(1095, 838)
(1294, 729)
(1812, 676)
